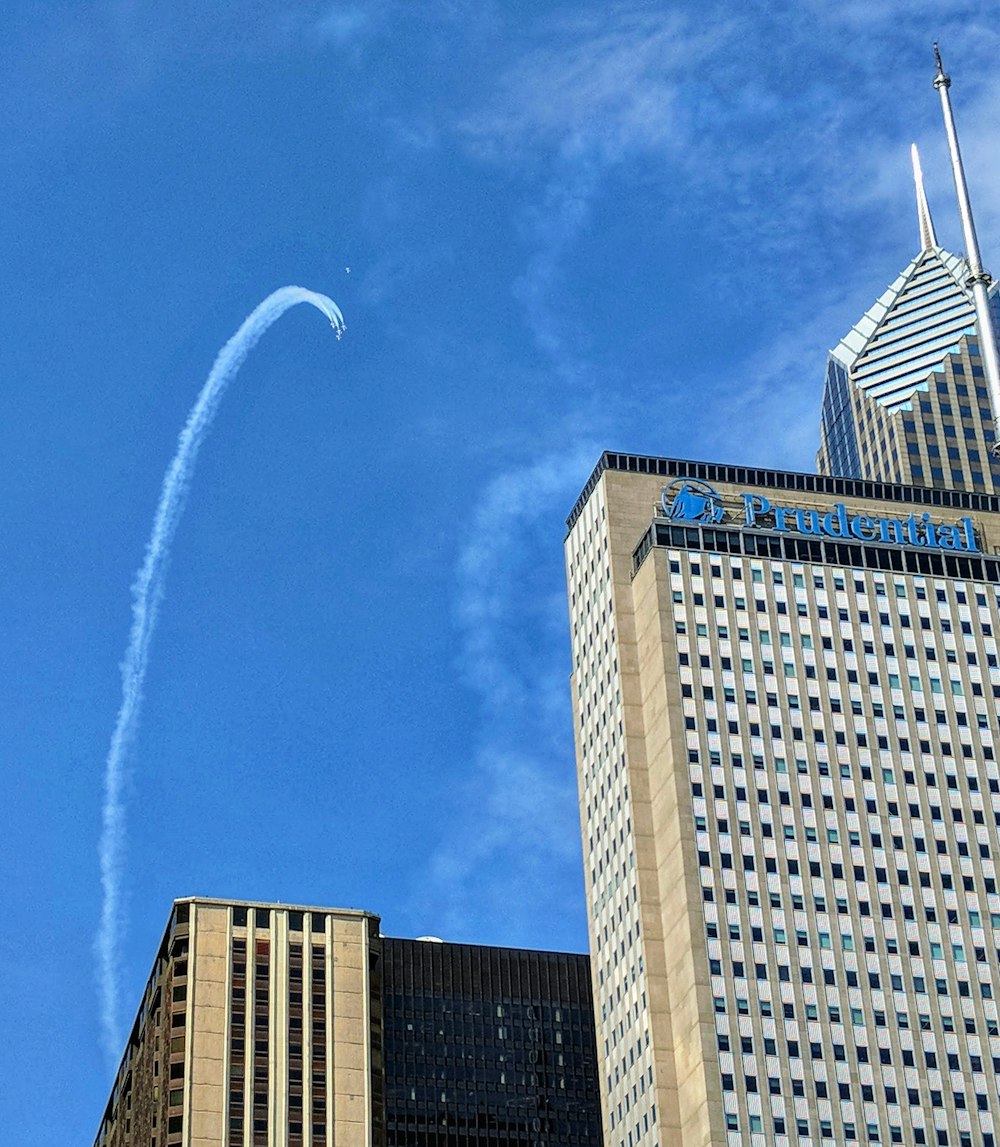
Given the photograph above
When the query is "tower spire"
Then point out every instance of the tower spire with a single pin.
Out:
(927, 237)
(978, 280)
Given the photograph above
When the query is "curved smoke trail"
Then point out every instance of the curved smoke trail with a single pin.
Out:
(147, 593)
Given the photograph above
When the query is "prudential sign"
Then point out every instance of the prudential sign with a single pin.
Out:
(690, 500)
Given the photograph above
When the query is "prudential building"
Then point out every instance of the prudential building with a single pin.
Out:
(786, 707)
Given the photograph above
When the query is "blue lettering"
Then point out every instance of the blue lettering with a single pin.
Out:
(807, 522)
(949, 538)
(913, 530)
(864, 527)
(835, 523)
(754, 504)
(970, 535)
(898, 536)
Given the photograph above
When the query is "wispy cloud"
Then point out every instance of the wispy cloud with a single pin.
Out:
(342, 23)
(552, 226)
(785, 122)
(768, 412)
(600, 86)
(347, 27)
(661, 98)
(509, 857)
(743, 132)
(784, 136)
(588, 94)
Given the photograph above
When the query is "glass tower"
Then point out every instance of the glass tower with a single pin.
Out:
(905, 397)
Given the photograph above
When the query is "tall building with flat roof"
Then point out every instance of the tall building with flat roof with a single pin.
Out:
(271, 1025)
(785, 688)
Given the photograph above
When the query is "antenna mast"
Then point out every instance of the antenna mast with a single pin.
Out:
(927, 237)
(978, 280)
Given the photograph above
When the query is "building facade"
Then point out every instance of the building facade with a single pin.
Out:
(267, 1025)
(912, 392)
(491, 1046)
(256, 1029)
(905, 398)
(785, 689)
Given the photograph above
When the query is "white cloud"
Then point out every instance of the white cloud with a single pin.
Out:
(343, 23)
(511, 508)
(785, 135)
(346, 27)
(601, 86)
(511, 856)
(768, 412)
(552, 227)
(511, 842)
(781, 120)
(590, 93)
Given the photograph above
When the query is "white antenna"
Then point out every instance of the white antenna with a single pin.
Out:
(979, 280)
(927, 237)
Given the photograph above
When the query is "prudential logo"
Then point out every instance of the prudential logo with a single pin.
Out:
(689, 500)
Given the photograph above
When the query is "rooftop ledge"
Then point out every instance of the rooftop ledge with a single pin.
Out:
(754, 476)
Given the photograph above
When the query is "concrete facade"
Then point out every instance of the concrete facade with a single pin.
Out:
(259, 1017)
(789, 805)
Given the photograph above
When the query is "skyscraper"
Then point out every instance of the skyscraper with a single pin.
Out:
(907, 396)
(785, 690)
(269, 1025)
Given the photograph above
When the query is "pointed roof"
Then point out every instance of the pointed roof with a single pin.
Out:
(927, 237)
(910, 328)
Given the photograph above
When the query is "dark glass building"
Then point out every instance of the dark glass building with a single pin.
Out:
(487, 1045)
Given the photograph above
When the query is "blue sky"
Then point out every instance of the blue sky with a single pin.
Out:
(568, 227)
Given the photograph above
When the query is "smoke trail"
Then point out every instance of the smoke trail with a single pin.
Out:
(147, 593)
